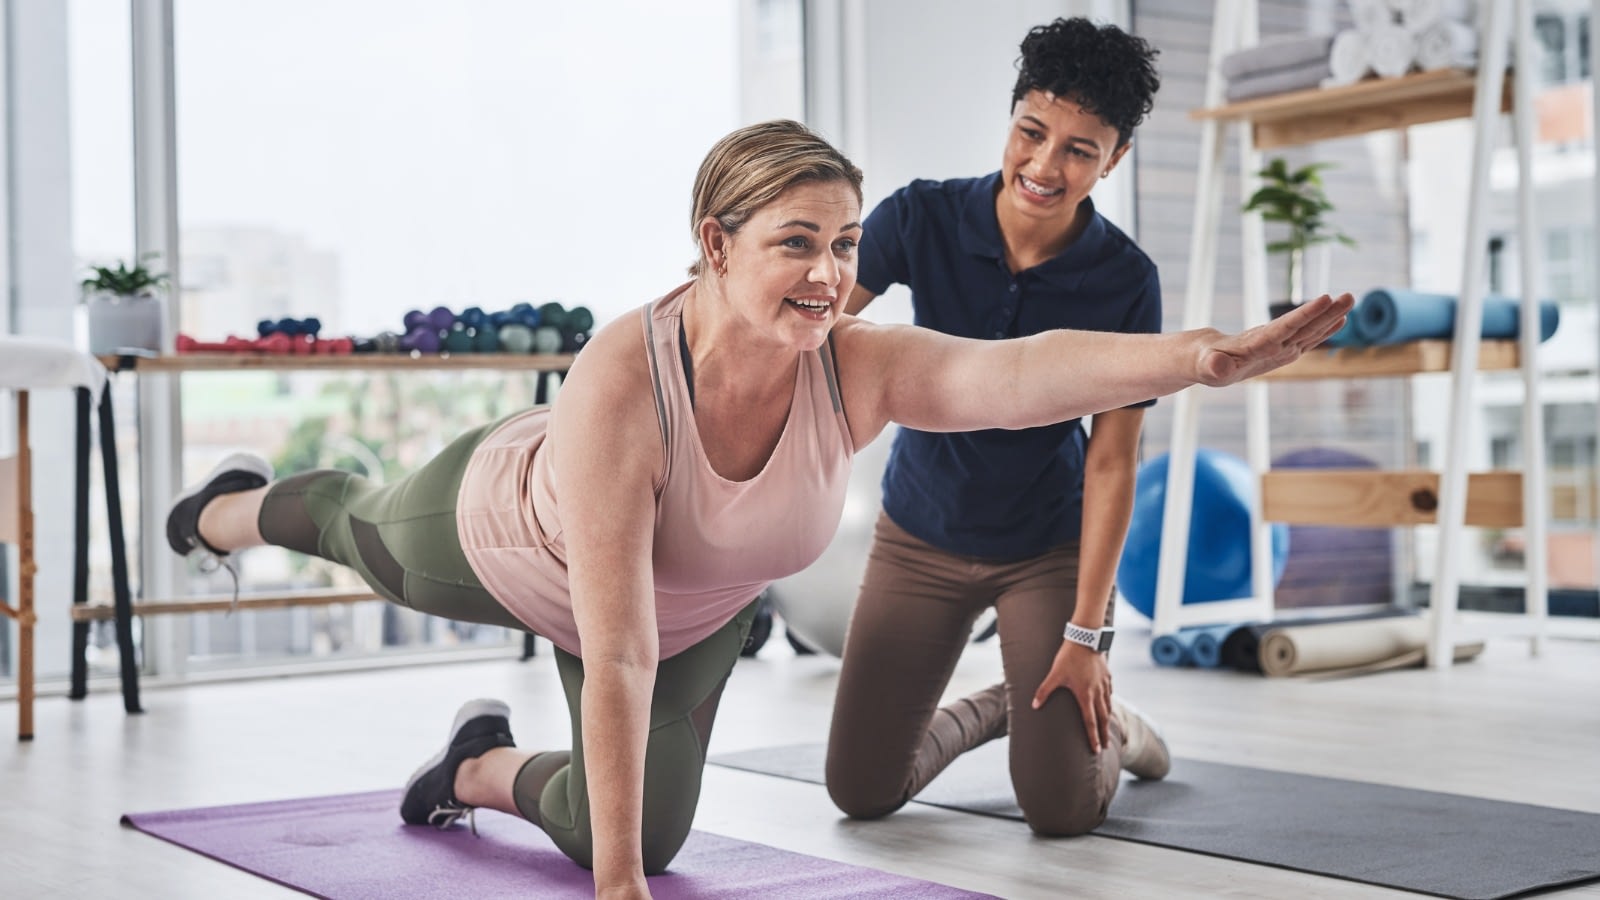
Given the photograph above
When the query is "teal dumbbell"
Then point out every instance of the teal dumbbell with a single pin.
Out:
(516, 338)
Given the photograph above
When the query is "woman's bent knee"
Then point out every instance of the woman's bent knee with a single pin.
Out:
(1064, 818)
(660, 849)
(859, 804)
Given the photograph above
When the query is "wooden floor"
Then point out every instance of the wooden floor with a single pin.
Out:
(1506, 727)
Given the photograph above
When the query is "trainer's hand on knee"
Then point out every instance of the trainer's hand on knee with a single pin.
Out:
(1083, 672)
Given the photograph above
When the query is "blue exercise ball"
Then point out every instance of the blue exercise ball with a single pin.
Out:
(1219, 533)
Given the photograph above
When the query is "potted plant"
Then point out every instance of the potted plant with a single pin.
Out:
(1295, 198)
(121, 307)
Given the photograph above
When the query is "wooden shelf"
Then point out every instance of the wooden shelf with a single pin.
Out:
(1393, 360)
(1374, 104)
(1371, 498)
(234, 362)
(96, 612)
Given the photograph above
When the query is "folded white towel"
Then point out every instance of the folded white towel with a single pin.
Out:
(1419, 15)
(1370, 15)
(1350, 59)
(1394, 50)
(1278, 53)
(1278, 81)
(1447, 45)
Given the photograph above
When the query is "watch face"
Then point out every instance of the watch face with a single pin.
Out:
(1105, 639)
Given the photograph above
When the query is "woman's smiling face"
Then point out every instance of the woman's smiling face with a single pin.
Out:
(792, 265)
(1055, 153)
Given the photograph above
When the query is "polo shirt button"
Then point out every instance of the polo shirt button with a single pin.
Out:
(1013, 287)
(999, 334)
(1005, 310)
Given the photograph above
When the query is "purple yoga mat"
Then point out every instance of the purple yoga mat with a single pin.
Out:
(354, 847)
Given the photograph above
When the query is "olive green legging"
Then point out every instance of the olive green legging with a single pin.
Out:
(401, 538)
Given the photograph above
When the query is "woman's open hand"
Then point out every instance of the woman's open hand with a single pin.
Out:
(1226, 359)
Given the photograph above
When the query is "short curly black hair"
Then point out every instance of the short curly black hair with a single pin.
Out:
(1104, 69)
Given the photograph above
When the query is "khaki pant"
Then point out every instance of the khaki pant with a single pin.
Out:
(913, 618)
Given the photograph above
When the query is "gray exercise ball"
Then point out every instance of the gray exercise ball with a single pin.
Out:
(815, 604)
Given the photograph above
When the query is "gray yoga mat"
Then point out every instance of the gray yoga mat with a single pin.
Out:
(1442, 844)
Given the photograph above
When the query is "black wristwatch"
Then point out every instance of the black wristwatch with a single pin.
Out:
(1096, 639)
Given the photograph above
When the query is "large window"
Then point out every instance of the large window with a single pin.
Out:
(356, 159)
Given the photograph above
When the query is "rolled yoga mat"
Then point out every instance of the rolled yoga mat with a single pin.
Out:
(1191, 646)
(1393, 317)
(1241, 648)
(1349, 648)
(1172, 650)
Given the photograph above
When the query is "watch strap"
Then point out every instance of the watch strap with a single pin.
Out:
(1096, 639)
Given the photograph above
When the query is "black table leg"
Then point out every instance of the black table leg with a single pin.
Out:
(121, 596)
(80, 550)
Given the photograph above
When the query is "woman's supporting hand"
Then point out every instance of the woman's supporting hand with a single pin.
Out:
(1083, 672)
(1226, 359)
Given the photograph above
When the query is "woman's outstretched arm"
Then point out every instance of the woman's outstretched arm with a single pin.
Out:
(933, 382)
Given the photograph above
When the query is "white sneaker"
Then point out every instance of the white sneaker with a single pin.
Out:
(1144, 750)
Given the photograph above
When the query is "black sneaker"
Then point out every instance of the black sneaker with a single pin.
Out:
(430, 798)
(238, 472)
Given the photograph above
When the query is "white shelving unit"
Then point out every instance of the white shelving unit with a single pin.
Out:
(1453, 498)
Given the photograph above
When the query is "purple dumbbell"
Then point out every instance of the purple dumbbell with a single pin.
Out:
(441, 318)
(423, 339)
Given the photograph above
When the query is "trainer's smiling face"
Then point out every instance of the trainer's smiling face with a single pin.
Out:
(1054, 155)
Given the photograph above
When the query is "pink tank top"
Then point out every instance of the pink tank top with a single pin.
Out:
(718, 543)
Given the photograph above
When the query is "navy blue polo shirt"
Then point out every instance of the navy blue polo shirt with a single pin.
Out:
(997, 494)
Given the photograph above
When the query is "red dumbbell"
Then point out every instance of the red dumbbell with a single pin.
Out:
(334, 346)
(276, 344)
(233, 344)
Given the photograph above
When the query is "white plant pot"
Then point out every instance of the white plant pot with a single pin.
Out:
(108, 323)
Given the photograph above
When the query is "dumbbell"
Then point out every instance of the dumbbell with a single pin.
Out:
(277, 344)
(554, 315)
(308, 326)
(421, 339)
(231, 344)
(333, 346)
(547, 339)
(472, 317)
(516, 338)
(486, 339)
(458, 339)
(523, 314)
(579, 318)
(382, 342)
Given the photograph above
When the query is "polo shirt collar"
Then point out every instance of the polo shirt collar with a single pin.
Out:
(979, 234)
